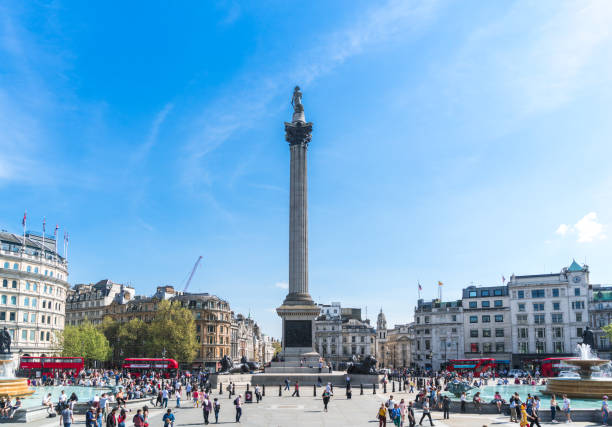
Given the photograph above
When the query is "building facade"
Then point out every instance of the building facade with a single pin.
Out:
(395, 351)
(487, 323)
(549, 313)
(438, 333)
(34, 281)
(90, 302)
(600, 315)
(340, 334)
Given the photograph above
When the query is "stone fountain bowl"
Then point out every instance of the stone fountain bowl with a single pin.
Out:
(585, 387)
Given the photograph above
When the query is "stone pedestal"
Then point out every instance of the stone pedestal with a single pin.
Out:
(298, 334)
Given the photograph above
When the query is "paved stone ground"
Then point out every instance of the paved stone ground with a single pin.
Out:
(307, 410)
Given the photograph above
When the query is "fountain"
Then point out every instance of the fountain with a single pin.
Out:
(9, 385)
(585, 387)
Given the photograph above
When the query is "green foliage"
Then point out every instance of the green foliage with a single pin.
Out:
(173, 330)
(85, 341)
(277, 347)
(608, 330)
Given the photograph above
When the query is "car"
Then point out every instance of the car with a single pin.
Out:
(517, 373)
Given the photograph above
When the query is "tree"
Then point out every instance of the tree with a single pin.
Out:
(132, 338)
(277, 347)
(84, 341)
(172, 332)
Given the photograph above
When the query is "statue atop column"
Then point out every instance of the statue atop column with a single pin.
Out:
(296, 100)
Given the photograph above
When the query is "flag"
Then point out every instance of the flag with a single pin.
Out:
(503, 279)
(420, 287)
(55, 232)
(23, 221)
(44, 224)
(440, 283)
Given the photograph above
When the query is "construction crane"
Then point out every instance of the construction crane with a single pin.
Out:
(195, 267)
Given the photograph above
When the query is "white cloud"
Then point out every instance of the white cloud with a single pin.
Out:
(589, 229)
(563, 229)
(282, 285)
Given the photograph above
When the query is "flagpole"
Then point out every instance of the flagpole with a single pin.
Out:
(25, 215)
(43, 245)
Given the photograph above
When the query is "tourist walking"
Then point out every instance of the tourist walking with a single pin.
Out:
(326, 396)
(604, 411)
(390, 404)
(396, 416)
(238, 405)
(524, 422)
(99, 417)
(67, 417)
(164, 403)
(168, 419)
(463, 398)
(90, 417)
(553, 409)
(446, 407)
(411, 417)
(296, 390)
(111, 419)
(403, 408)
(534, 416)
(287, 384)
(216, 409)
(138, 419)
(382, 415)
(206, 408)
(477, 402)
(257, 393)
(567, 409)
(426, 413)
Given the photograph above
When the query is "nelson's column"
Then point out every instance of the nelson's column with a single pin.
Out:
(298, 311)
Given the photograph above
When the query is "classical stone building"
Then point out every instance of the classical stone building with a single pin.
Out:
(90, 302)
(396, 349)
(487, 323)
(600, 315)
(438, 333)
(549, 313)
(381, 339)
(34, 284)
(340, 334)
(213, 319)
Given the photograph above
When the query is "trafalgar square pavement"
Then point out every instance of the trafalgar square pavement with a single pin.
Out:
(307, 410)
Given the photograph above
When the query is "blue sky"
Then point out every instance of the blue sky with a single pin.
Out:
(453, 141)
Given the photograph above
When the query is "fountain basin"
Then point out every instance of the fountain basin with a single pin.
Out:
(585, 387)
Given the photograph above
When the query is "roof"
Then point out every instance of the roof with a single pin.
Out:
(575, 266)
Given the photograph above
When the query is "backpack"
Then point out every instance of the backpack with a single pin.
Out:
(236, 401)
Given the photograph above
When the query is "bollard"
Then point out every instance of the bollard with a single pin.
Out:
(234, 389)
(314, 390)
(263, 390)
(361, 389)
(385, 387)
(393, 386)
(280, 390)
(247, 386)
(220, 388)
(373, 388)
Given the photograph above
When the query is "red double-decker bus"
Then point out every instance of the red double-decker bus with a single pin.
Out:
(29, 364)
(139, 366)
(477, 366)
(551, 366)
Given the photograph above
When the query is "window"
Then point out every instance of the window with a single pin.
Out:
(499, 332)
(426, 319)
(474, 347)
(521, 307)
(25, 317)
(540, 333)
(32, 318)
(24, 334)
(486, 333)
(473, 319)
(556, 306)
(15, 266)
(523, 347)
(35, 287)
(2, 315)
(472, 294)
(484, 293)
(577, 305)
(555, 292)
(538, 319)
(499, 347)
(27, 286)
(537, 293)
(33, 302)
(486, 347)
(7, 265)
(486, 318)
(578, 316)
(3, 299)
(521, 294)
(32, 335)
(540, 347)
(497, 292)
(558, 347)
(473, 304)
(498, 303)
(557, 317)
(473, 333)
(521, 318)
(427, 345)
(5, 283)
(29, 268)
(486, 304)
(499, 318)
(539, 306)
(26, 301)
(12, 316)
(454, 317)
(579, 332)
(48, 336)
(576, 292)
(14, 284)
(14, 300)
